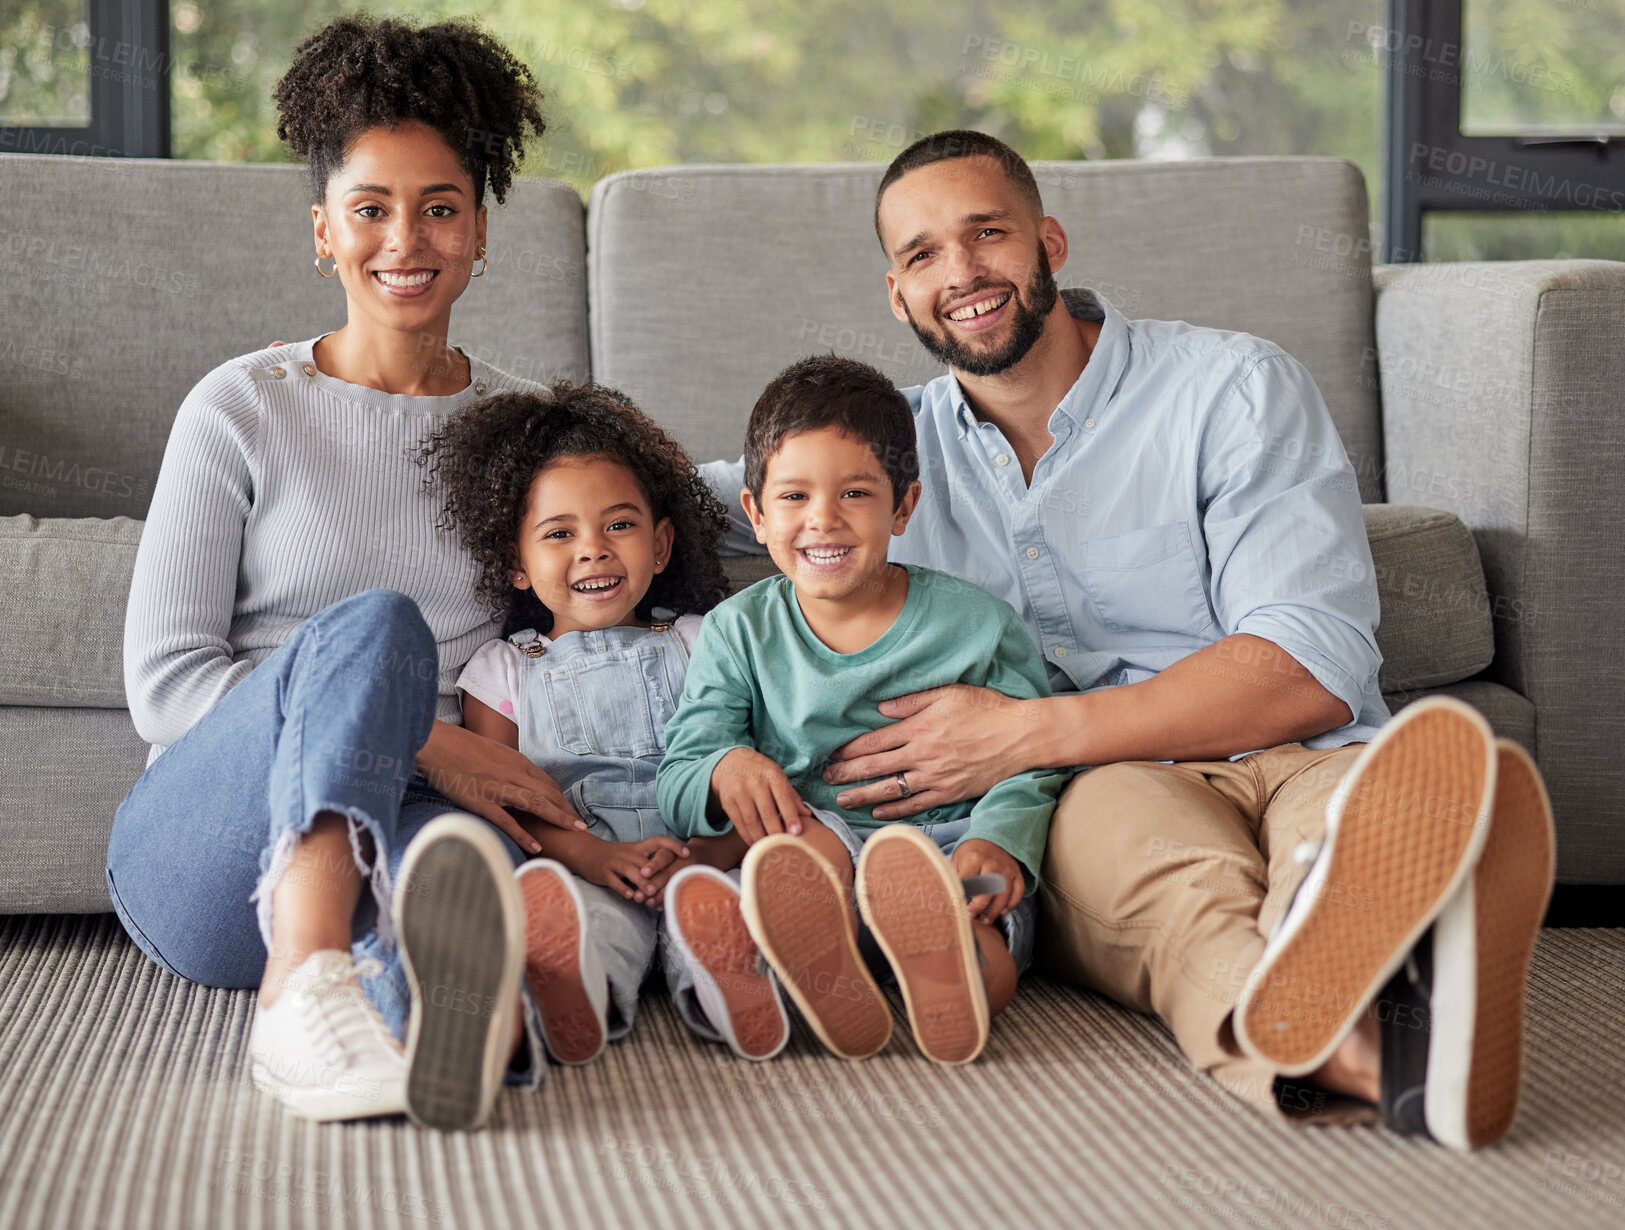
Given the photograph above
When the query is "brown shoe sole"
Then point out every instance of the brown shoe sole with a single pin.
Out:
(798, 914)
(1406, 829)
(915, 907)
(553, 967)
(1512, 884)
(714, 930)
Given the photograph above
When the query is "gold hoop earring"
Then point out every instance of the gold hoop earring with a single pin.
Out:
(329, 273)
(484, 264)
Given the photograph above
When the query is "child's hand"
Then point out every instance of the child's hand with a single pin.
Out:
(756, 796)
(654, 884)
(975, 857)
(618, 865)
(664, 857)
(724, 853)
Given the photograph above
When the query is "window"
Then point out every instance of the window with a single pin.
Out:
(85, 77)
(1506, 131)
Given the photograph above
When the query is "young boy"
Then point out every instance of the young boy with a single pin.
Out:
(795, 666)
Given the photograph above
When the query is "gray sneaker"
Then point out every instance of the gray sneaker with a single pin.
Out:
(461, 931)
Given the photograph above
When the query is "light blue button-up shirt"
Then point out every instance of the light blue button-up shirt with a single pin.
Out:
(1195, 488)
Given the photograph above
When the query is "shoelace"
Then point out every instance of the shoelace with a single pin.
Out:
(340, 1011)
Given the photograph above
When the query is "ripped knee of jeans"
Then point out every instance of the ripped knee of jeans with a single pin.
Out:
(373, 865)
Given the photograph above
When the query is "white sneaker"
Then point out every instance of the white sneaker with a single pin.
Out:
(1403, 829)
(322, 1050)
(562, 968)
(733, 983)
(461, 932)
(1482, 944)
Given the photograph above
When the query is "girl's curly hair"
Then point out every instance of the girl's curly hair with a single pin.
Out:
(358, 72)
(486, 458)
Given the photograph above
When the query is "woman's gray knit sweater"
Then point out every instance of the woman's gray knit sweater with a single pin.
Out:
(283, 490)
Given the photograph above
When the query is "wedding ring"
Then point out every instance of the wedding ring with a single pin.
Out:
(902, 784)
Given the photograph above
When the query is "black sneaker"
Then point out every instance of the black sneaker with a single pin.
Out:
(1405, 1021)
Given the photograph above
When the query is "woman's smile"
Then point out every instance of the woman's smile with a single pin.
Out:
(405, 283)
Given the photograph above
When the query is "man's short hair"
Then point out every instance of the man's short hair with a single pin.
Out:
(827, 390)
(960, 143)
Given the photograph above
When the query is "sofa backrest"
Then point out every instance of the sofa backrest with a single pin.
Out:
(124, 281)
(706, 280)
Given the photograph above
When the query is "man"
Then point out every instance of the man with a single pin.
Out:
(1286, 896)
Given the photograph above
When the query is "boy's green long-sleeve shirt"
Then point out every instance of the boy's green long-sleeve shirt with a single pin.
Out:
(760, 678)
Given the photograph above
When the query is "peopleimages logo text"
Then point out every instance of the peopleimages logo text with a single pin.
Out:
(1522, 180)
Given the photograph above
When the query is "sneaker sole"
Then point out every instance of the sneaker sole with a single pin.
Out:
(1475, 1099)
(915, 907)
(1404, 826)
(461, 934)
(554, 966)
(710, 930)
(795, 909)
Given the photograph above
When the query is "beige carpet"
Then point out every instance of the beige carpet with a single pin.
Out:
(124, 1103)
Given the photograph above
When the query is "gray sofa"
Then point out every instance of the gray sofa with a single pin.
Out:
(1477, 402)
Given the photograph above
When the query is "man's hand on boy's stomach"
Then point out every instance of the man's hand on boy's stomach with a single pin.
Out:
(976, 857)
(756, 796)
(953, 742)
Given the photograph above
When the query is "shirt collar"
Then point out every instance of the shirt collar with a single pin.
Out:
(1099, 376)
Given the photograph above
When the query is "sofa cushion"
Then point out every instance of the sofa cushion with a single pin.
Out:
(1436, 626)
(68, 770)
(124, 281)
(707, 280)
(67, 582)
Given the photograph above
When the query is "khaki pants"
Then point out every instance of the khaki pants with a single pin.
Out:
(1162, 881)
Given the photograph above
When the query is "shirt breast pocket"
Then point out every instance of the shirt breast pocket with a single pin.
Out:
(1148, 581)
(612, 705)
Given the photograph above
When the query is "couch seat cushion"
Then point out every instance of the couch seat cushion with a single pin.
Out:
(67, 581)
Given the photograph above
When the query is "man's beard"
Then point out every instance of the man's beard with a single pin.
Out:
(1030, 309)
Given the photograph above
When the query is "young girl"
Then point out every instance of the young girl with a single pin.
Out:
(588, 522)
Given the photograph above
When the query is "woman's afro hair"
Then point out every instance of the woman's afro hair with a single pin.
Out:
(485, 459)
(359, 72)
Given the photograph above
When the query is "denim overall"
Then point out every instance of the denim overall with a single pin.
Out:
(593, 711)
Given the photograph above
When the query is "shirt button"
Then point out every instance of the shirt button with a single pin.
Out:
(1003, 459)
(278, 372)
(480, 388)
(1060, 651)
(310, 369)
(1089, 423)
(1032, 552)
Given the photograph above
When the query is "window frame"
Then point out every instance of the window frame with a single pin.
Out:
(129, 118)
(1422, 137)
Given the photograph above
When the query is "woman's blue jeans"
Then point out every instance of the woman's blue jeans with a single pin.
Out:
(331, 721)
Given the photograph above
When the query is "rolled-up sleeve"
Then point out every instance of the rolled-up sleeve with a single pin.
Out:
(1286, 540)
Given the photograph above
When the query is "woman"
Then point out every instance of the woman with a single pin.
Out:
(296, 623)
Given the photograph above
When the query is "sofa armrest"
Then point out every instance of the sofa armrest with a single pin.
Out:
(1501, 403)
